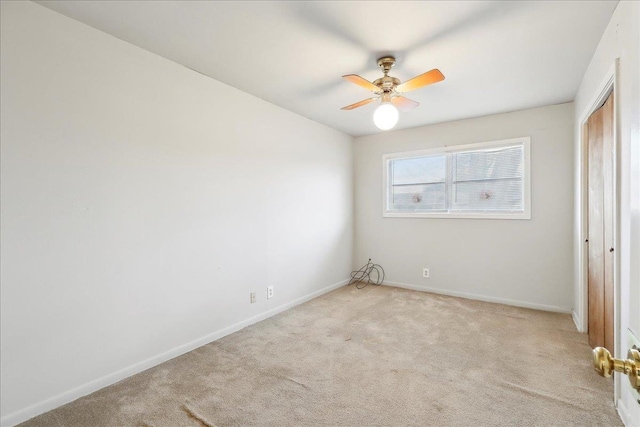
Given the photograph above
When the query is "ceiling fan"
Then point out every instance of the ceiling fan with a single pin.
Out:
(389, 91)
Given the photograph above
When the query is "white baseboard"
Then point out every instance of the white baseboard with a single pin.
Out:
(466, 295)
(576, 321)
(22, 415)
(624, 414)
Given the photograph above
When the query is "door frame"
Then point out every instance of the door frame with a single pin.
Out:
(608, 85)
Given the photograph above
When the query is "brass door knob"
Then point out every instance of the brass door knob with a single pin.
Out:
(604, 364)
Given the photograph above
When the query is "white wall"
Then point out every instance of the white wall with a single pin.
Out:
(520, 262)
(141, 204)
(620, 40)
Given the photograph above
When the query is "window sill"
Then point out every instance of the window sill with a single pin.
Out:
(460, 215)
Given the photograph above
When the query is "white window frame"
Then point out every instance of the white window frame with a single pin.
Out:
(525, 214)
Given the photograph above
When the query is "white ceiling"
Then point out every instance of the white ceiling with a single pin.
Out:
(497, 56)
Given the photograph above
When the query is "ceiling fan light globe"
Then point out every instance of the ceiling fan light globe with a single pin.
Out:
(386, 116)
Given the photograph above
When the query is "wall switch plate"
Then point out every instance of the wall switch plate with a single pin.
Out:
(253, 297)
(269, 292)
(425, 273)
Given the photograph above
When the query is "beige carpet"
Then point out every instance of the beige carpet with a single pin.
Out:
(380, 356)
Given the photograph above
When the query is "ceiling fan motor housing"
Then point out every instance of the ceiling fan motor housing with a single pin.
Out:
(386, 83)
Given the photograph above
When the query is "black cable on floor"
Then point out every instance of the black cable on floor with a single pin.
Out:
(363, 277)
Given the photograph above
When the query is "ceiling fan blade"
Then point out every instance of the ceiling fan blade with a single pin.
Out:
(404, 104)
(361, 81)
(430, 77)
(359, 104)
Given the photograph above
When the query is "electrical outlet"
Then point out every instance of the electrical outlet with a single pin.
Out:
(425, 273)
(269, 292)
(253, 297)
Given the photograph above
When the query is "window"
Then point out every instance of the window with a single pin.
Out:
(484, 180)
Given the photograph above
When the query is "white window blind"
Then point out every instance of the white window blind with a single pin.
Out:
(419, 183)
(477, 180)
(490, 180)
